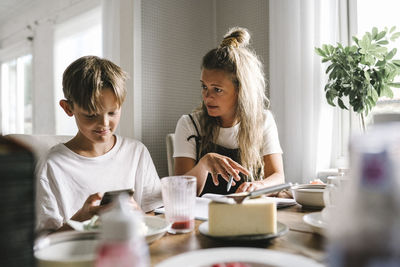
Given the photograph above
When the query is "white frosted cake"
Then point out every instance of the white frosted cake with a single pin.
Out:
(253, 216)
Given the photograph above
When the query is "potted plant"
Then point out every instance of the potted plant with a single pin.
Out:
(362, 72)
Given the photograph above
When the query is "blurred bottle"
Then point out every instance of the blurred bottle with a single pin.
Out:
(365, 228)
(122, 242)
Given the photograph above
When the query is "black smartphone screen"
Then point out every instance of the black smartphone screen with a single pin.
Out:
(110, 195)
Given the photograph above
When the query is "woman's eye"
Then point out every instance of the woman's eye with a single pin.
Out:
(203, 87)
(217, 90)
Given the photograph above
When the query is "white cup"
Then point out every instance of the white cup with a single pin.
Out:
(331, 193)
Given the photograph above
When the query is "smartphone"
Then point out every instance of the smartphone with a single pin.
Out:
(110, 195)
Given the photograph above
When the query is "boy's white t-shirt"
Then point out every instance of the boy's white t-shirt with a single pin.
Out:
(66, 179)
(227, 136)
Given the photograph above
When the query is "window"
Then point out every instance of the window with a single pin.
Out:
(381, 14)
(79, 36)
(16, 95)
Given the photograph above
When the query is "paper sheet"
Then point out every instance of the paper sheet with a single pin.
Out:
(201, 209)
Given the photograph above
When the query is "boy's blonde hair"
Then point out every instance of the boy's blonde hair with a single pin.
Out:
(86, 77)
(236, 59)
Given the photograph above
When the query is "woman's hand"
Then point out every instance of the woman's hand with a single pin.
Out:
(250, 186)
(225, 166)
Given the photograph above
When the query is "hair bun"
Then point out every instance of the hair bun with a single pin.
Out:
(236, 37)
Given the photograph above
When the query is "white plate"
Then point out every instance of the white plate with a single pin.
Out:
(259, 256)
(316, 222)
(281, 230)
(156, 228)
(78, 248)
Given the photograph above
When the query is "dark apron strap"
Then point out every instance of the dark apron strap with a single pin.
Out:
(197, 138)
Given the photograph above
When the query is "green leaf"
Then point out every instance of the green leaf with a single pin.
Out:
(331, 49)
(374, 32)
(365, 43)
(383, 42)
(391, 54)
(387, 91)
(369, 60)
(329, 99)
(396, 85)
(375, 95)
(353, 49)
(380, 63)
(329, 68)
(366, 75)
(396, 62)
(380, 35)
(320, 52)
(380, 50)
(395, 36)
(341, 104)
(392, 29)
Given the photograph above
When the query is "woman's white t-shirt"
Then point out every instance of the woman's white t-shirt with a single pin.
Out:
(227, 136)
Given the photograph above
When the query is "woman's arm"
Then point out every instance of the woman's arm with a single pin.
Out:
(273, 174)
(210, 163)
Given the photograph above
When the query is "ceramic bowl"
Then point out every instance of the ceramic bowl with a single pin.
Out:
(309, 195)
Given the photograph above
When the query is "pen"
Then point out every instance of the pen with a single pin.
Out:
(228, 186)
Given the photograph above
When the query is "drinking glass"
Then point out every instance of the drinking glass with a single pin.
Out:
(179, 196)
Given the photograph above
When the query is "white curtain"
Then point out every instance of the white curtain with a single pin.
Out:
(297, 80)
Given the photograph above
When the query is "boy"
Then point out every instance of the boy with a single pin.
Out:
(74, 175)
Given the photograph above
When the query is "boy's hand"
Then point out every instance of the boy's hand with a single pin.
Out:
(89, 208)
(133, 203)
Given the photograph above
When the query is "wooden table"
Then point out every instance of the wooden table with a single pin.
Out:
(299, 240)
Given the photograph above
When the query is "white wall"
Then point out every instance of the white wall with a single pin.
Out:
(252, 15)
(175, 36)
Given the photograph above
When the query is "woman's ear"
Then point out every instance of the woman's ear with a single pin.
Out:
(67, 107)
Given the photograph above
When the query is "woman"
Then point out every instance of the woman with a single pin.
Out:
(231, 133)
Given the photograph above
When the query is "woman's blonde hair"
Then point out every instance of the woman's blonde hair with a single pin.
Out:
(85, 78)
(246, 71)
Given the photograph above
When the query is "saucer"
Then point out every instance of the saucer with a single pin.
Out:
(281, 230)
(316, 222)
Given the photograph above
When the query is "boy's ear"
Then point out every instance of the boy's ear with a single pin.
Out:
(66, 107)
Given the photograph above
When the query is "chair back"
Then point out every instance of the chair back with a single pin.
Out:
(39, 144)
(170, 138)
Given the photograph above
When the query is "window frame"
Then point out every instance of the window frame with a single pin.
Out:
(348, 122)
(7, 54)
